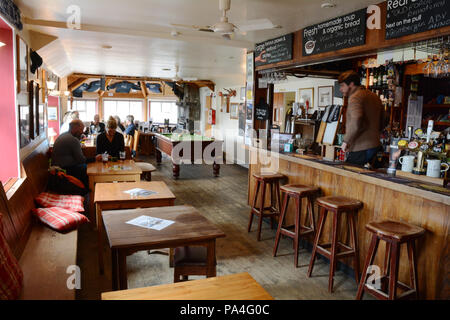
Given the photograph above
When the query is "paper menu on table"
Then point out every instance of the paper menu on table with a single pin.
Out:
(140, 192)
(150, 222)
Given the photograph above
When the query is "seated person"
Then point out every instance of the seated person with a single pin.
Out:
(68, 155)
(120, 127)
(131, 128)
(97, 126)
(110, 141)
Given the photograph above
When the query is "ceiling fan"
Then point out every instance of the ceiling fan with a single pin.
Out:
(227, 29)
(177, 78)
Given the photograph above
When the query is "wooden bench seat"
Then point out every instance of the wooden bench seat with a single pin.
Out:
(44, 263)
(44, 254)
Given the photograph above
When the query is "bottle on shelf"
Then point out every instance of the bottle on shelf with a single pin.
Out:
(371, 79)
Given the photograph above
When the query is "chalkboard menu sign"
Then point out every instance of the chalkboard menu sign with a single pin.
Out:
(340, 33)
(405, 17)
(262, 110)
(274, 50)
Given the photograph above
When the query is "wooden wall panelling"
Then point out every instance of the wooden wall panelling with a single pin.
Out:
(6, 223)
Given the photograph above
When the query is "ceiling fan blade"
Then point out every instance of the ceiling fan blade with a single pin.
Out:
(199, 28)
(256, 24)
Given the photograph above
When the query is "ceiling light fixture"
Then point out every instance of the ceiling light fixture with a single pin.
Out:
(51, 85)
(328, 5)
(2, 44)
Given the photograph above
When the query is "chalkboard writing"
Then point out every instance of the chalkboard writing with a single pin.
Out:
(11, 12)
(274, 50)
(262, 110)
(405, 17)
(340, 33)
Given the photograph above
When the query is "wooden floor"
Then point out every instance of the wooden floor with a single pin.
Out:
(223, 201)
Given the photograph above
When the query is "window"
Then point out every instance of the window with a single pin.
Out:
(86, 109)
(122, 108)
(160, 110)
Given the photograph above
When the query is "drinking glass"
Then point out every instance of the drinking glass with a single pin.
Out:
(122, 155)
(105, 158)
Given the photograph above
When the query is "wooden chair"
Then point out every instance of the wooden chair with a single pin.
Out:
(189, 261)
(147, 168)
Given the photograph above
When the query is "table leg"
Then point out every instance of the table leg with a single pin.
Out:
(100, 238)
(123, 281)
(114, 273)
(175, 170)
(211, 259)
(158, 157)
(216, 169)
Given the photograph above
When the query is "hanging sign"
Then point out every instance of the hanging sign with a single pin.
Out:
(340, 33)
(405, 17)
(11, 13)
(274, 50)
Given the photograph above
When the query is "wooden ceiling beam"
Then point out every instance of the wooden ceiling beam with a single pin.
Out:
(76, 83)
(143, 89)
(101, 93)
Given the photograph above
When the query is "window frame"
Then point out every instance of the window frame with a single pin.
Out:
(142, 101)
(75, 108)
(162, 101)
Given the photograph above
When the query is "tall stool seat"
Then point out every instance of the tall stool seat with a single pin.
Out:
(338, 206)
(264, 179)
(298, 192)
(394, 233)
(147, 169)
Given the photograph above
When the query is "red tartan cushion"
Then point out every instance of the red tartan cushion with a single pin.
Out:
(60, 219)
(11, 276)
(48, 200)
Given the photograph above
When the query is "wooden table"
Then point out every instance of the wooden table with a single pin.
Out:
(99, 172)
(239, 286)
(112, 196)
(190, 228)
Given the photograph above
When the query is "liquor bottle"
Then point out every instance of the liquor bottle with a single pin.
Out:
(380, 76)
(375, 79)
(371, 79)
(385, 78)
(363, 77)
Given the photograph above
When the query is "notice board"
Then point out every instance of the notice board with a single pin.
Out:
(336, 34)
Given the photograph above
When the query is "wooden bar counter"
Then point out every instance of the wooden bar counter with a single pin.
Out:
(382, 199)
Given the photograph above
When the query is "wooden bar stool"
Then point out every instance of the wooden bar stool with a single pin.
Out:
(263, 180)
(394, 233)
(298, 192)
(338, 206)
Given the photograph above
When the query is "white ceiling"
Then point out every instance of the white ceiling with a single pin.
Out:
(139, 33)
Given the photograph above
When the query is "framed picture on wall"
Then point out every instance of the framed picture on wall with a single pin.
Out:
(32, 102)
(325, 96)
(24, 125)
(22, 65)
(37, 100)
(306, 97)
(234, 111)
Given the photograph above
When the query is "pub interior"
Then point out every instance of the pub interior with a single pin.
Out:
(140, 140)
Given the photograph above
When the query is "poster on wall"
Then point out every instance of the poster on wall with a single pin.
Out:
(410, 17)
(340, 33)
(241, 119)
(249, 98)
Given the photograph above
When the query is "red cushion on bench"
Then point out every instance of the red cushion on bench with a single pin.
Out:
(11, 276)
(49, 200)
(60, 219)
